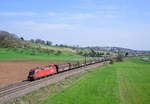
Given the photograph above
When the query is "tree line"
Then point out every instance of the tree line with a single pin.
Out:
(92, 53)
(9, 40)
(12, 41)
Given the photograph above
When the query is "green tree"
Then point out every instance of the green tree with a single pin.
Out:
(22, 38)
(126, 54)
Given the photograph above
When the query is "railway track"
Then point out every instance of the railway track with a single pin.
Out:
(11, 86)
(21, 88)
(24, 85)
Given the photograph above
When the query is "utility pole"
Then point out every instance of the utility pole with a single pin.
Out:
(85, 59)
(104, 59)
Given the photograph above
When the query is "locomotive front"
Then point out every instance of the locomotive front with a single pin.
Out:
(31, 75)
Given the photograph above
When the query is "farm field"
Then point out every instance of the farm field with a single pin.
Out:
(15, 64)
(16, 70)
(125, 82)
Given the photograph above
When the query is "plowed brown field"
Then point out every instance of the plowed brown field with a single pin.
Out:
(17, 70)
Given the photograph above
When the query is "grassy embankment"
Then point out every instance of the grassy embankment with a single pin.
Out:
(44, 52)
(65, 54)
(126, 82)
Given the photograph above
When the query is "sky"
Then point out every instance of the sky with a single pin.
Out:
(119, 23)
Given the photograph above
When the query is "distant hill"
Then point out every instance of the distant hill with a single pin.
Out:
(112, 49)
(117, 49)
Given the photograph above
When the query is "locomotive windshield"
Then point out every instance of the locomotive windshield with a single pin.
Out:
(31, 72)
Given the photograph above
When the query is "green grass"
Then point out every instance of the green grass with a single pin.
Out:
(125, 82)
(27, 54)
(40, 94)
(134, 81)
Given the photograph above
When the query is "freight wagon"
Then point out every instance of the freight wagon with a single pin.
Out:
(40, 72)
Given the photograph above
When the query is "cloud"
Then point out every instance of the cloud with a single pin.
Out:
(110, 16)
(35, 26)
(87, 16)
(82, 16)
(108, 7)
(72, 16)
(18, 13)
(95, 7)
(52, 13)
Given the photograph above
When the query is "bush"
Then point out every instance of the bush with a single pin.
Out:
(9, 49)
(58, 52)
(111, 61)
(48, 51)
(52, 51)
(22, 51)
(15, 49)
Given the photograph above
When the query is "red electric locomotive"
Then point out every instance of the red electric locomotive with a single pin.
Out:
(37, 73)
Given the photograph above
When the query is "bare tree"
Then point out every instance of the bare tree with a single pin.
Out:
(9, 40)
(33, 51)
(32, 40)
(119, 57)
(48, 43)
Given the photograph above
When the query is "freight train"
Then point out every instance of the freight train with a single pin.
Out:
(41, 72)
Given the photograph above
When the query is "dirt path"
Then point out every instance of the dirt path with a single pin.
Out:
(17, 70)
